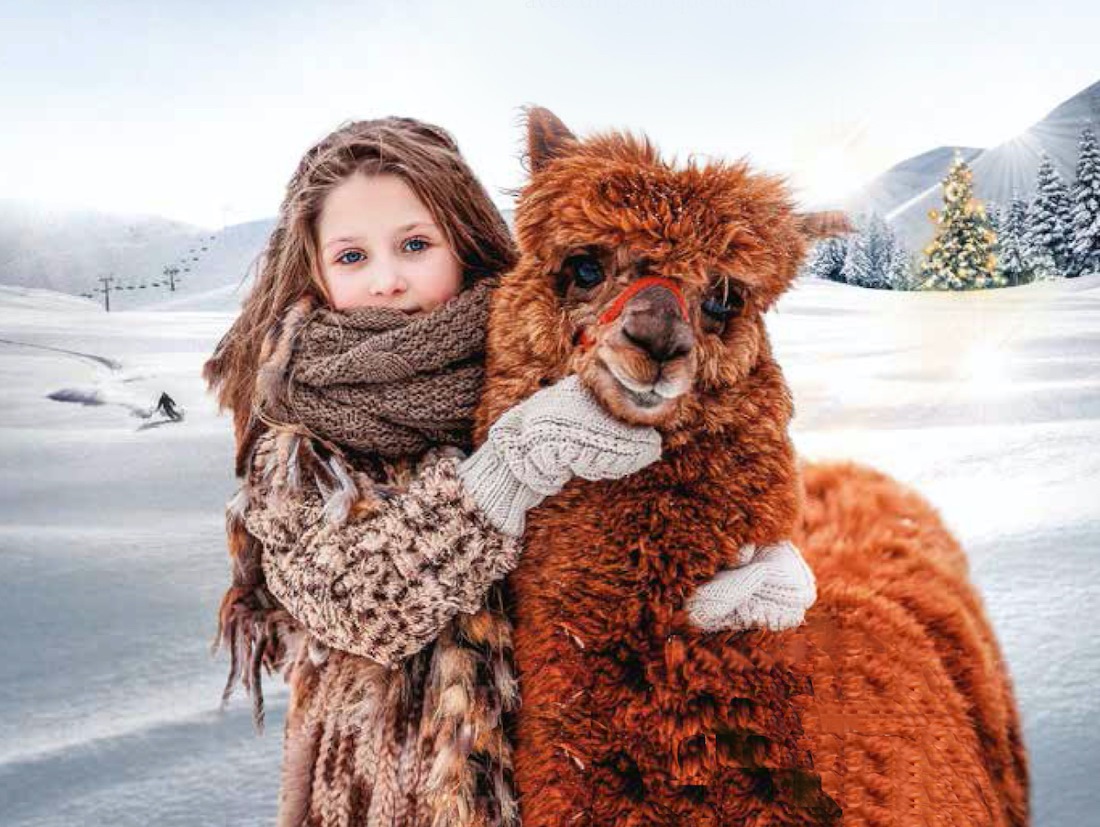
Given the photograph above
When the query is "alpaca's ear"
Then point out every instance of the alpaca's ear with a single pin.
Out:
(547, 137)
(817, 225)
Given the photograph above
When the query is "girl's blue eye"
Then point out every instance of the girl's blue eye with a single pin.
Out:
(416, 245)
(343, 258)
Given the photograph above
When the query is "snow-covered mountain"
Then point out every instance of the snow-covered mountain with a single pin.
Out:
(907, 180)
(220, 278)
(907, 191)
(69, 250)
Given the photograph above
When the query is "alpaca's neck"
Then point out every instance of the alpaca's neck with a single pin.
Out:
(672, 526)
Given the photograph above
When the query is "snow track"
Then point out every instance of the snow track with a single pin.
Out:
(110, 364)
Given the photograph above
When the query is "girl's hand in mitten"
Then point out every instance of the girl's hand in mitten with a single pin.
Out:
(771, 589)
(537, 446)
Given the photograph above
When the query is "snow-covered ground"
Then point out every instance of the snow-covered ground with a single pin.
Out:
(113, 562)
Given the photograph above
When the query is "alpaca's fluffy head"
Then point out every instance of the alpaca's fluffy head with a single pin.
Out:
(717, 242)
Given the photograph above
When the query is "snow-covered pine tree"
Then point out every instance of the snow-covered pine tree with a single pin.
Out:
(906, 276)
(897, 263)
(1050, 217)
(858, 269)
(1041, 265)
(827, 259)
(1013, 263)
(995, 213)
(960, 256)
(910, 277)
(875, 257)
(1086, 208)
(904, 271)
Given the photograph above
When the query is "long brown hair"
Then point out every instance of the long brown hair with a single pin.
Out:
(427, 158)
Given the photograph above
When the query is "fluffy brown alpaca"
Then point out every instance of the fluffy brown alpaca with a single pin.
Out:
(890, 705)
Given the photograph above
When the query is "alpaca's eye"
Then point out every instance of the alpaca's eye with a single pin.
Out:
(723, 303)
(586, 271)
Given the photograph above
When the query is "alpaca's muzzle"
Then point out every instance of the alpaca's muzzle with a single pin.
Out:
(662, 329)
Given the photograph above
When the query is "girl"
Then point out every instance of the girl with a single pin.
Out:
(365, 544)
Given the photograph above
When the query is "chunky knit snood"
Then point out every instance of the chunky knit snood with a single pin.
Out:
(377, 380)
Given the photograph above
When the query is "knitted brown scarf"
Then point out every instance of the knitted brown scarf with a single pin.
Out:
(377, 380)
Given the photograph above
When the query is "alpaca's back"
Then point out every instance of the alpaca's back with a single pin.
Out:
(858, 521)
(900, 619)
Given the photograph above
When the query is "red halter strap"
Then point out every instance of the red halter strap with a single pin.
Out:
(616, 308)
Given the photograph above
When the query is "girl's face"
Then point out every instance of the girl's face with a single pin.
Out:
(380, 247)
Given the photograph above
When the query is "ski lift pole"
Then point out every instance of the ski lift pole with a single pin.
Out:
(106, 292)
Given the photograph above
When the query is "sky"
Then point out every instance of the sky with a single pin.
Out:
(199, 111)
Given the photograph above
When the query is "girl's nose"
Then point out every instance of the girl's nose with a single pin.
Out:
(386, 280)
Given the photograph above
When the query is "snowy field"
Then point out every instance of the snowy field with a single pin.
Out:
(113, 562)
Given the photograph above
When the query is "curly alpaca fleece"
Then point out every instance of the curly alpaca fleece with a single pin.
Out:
(890, 706)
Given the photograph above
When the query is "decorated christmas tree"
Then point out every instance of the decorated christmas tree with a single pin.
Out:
(1050, 217)
(960, 257)
(1086, 208)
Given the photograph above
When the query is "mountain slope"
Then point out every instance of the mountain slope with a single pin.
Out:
(906, 192)
(69, 250)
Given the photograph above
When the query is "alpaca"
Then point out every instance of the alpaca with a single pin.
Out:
(889, 705)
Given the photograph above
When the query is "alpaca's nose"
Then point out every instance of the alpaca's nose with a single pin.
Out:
(654, 323)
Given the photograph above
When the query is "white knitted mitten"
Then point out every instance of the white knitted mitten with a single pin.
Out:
(537, 446)
(771, 588)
